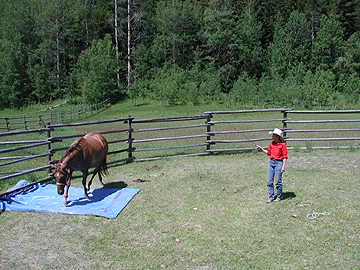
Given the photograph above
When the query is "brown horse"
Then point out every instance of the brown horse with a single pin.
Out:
(84, 153)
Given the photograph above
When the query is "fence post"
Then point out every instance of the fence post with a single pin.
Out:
(129, 137)
(284, 124)
(39, 120)
(7, 123)
(48, 147)
(208, 130)
(24, 118)
(70, 114)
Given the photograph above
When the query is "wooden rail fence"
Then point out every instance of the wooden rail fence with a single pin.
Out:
(25, 122)
(204, 134)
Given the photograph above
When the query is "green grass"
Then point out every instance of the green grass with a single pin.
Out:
(206, 212)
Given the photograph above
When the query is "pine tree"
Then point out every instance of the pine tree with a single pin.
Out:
(328, 43)
(225, 41)
(347, 13)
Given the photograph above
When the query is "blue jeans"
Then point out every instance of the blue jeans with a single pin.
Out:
(274, 171)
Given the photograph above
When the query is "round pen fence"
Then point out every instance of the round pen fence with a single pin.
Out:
(121, 138)
(32, 151)
(177, 136)
(323, 129)
(242, 130)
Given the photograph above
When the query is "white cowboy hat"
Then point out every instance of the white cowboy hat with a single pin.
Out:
(278, 132)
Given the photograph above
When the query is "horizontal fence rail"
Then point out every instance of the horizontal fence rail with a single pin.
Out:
(25, 122)
(124, 141)
(174, 132)
(348, 129)
(133, 139)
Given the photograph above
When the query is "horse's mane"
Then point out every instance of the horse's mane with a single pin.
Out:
(75, 146)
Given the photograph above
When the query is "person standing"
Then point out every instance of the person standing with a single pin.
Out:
(278, 155)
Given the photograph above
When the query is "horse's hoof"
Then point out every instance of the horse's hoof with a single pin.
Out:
(85, 196)
(64, 202)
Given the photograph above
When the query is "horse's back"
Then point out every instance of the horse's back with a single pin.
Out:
(92, 151)
(97, 145)
(96, 141)
(100, 145)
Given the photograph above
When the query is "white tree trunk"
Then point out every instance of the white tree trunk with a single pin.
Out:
(128, 46)
(117, 43)
(57, 49)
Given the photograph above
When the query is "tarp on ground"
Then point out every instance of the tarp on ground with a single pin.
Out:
(105, 202)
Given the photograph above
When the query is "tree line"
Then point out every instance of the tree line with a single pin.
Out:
(250, 52)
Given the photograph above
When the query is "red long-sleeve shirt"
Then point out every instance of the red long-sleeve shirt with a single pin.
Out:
(277, 150)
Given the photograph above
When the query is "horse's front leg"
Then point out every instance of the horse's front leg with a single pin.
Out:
(66, 193)
(85, 174)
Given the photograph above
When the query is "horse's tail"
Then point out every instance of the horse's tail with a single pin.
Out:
(103, 167)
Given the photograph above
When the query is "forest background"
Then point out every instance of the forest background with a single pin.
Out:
(247, 52)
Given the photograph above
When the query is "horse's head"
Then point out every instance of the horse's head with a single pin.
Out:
(61, 176)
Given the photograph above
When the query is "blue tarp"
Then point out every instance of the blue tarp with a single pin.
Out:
(105, 202)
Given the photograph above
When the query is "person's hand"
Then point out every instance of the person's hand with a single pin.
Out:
(259, 147)
(282, 169)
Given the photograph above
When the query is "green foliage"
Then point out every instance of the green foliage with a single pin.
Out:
(179, 86)
(180, 51)
(178, 23)
(253, 31)
(244, 90)
(225, 41)
(11, 81)
(349, 86)
(95, 72)
(351, 59)
(347, 13)
(327, 49)
(291, 45)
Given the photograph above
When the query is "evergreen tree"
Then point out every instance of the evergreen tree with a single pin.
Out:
(11, 81)
(351, 57)
(252, 38)
(328, 44)
(190, 48)
(225, 41)
(96, 70)
(17, 40)
(178, 25)
(347, 13)
(349, 86)
(291, 45)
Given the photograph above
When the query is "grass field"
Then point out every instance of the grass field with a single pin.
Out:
(207, 212)
(204, 213)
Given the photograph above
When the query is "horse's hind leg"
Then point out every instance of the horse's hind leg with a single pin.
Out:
(85, 174)
(92, 177)
(96, 171)
(100, 178)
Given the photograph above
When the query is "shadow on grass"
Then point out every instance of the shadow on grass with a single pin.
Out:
(288, 195)
(141, 104)
(120, 184)
(99, 194)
